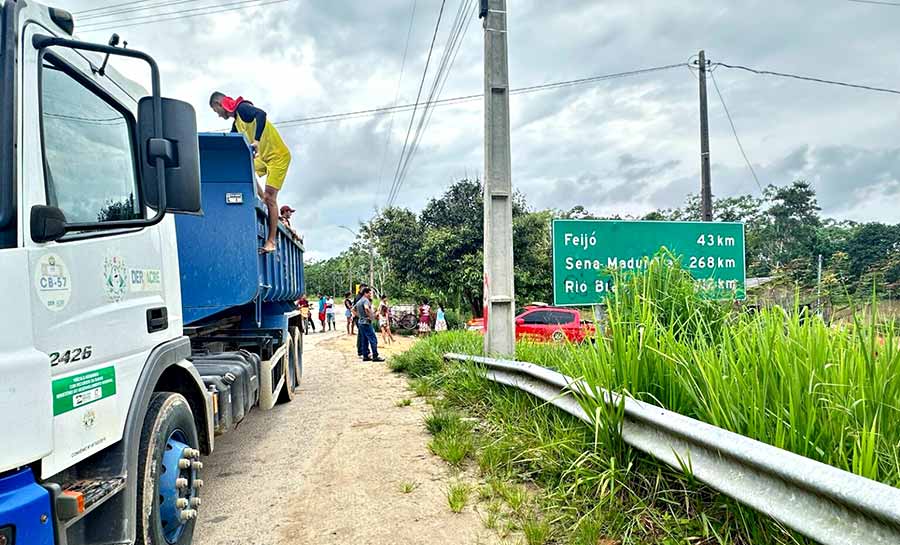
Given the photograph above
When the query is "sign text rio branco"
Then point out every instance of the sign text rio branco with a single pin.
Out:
(586, 254)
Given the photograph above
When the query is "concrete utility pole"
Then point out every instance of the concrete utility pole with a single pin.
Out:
(499, 285)
(705, 184)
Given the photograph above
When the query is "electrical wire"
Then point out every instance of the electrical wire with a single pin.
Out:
(877, 2)
(178, 15)
(806, 78)
(412, 118)
(390, 130)
(103, 8)
(105, 14)
(734, 131)
(330, 118)
(454, 42)
(154, 16)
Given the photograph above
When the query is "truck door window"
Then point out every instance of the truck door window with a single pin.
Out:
(88, 151)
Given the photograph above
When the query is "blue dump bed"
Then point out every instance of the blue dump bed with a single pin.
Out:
(222, 273)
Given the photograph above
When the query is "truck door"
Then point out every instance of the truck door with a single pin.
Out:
(94, 294)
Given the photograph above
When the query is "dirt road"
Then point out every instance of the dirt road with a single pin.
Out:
(328, 467)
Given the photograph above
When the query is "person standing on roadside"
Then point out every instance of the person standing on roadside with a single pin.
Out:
(323, 313)
(366, 314)
(329, 312)
(384, 321)
(348, 313)
(355, 311)
(440, 321)
(424, 318)
(303, 305)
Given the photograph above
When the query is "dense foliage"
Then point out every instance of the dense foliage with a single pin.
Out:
(785, 234)
(437, 253)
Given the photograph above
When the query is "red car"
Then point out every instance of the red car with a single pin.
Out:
(546, 324)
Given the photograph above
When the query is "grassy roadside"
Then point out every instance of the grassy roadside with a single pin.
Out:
(781, 378)
(549, 478)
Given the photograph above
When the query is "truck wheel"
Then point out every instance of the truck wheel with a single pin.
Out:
(168, 485)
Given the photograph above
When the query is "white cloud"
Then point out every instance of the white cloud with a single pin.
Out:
(308, 57)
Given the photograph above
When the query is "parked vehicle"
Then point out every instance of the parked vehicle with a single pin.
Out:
(131, 337)
(543, 323)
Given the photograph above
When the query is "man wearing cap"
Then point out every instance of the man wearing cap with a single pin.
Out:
(271, 157)
(285, 217)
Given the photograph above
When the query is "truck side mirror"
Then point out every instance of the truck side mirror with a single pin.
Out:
(48, 223)
(180, 151)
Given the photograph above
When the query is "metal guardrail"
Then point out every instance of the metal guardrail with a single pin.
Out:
(824, 503)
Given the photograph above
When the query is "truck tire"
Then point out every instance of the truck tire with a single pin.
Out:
(169, 435)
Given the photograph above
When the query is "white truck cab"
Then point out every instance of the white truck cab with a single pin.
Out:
(91, 168)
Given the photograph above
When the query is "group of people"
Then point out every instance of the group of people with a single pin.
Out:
(425, 315)
(324, 309)
(364, 319)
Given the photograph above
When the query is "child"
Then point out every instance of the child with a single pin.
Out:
(384, 321)
(424, 318)
(440, 323)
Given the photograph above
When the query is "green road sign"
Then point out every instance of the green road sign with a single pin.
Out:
(585, 252)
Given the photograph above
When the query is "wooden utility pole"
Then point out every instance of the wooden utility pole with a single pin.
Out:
(499, 285)
(705, 183)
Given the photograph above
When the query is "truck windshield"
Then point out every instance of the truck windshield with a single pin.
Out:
(88, 152)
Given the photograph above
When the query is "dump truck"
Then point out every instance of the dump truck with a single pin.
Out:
(141, 320)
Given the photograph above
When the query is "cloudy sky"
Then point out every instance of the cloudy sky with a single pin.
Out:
(625, 146)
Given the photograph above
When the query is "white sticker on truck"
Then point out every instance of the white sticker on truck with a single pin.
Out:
(52, 282)
(115, 282)
(144, 280)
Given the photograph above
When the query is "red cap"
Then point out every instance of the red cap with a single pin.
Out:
(287, 208)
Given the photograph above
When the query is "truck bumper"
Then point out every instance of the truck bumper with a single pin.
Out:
(24, 510)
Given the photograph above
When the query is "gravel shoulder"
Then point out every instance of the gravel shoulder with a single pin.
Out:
(328, 467)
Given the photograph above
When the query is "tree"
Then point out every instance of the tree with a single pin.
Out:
(791, 234)
(869, 244)
(532, 252)
(118, 210)
(397, 234)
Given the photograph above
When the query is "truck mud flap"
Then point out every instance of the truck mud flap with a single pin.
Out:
(271, 376)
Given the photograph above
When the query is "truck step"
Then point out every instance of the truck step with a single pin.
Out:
(81, 497)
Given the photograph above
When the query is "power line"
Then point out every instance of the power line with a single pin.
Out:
(734, 131)
(103, 8)
(877, 2)
(412, 118)
(177, 15)
(110, 13)
(454, 42)
(154, 16)
(807, 78)
(387, 136)
(330, 118)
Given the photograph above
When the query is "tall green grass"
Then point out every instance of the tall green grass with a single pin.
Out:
(827, 393)
(783, 378)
